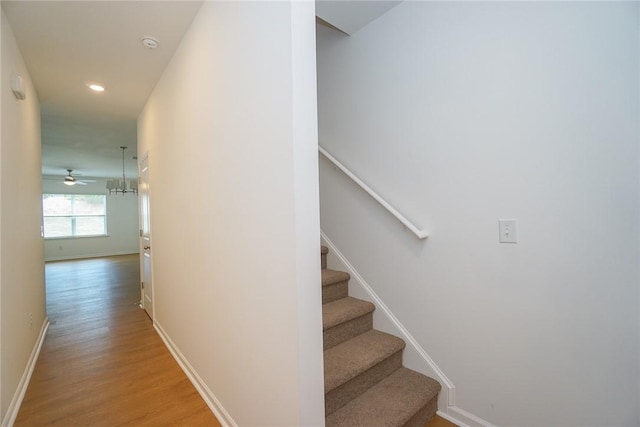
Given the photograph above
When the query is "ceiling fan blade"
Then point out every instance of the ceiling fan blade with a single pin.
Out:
(87, 180)
(81, 183)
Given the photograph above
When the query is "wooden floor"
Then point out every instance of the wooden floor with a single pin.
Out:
(439, 422)
(102, 363)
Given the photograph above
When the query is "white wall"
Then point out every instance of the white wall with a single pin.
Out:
(231, 134)
(122, 224)
(21, 249)
(461, 113)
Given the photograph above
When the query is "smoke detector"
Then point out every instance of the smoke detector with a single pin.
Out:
(150, 42)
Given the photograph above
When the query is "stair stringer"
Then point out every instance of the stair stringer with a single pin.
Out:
(414, 357)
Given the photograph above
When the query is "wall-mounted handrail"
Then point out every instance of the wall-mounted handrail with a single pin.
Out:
(421, 234)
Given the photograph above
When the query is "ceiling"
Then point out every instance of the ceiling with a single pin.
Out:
(351, 16)
(69, 44)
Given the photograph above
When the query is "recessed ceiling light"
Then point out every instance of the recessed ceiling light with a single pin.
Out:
(96, 88)
(150, 42)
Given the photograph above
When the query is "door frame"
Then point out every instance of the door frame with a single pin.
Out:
(151, 311)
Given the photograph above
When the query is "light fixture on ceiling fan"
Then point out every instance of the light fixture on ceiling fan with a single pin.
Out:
(120, 186)
(72, 180)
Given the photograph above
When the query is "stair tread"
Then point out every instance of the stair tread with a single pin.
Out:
(390, 403)
(353, 357)
(330, 277)
(343, 310)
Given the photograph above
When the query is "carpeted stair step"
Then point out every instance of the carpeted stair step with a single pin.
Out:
(334, 285)
(323, 256)
(356, 365)
(344, 319)
(404, 398)
(365, 383)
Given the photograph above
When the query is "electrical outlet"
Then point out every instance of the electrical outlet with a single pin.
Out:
(508, 230)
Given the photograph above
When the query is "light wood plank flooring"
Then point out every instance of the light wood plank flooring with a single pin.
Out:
(102, 363)
(439, 422)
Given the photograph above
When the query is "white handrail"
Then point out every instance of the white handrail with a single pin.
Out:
(421, 234)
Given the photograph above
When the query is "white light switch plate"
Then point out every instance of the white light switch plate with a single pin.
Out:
(508, 231)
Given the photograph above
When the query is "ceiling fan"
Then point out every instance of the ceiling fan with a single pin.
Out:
(72, 180)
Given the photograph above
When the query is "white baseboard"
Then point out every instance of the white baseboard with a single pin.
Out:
(449, 418)
(415, 357)
(16, 402)
(463, 418)
(86, 256)
(210, 399)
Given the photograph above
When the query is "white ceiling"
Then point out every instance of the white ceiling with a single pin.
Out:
(351, 16)
(68, 44)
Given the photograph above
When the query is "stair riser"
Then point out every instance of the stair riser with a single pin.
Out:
(335, 292)
(323, 255)
(347, 330)
(348, 391)
(423, 416)
(384, 394)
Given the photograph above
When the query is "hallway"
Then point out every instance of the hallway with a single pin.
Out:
(102, 363)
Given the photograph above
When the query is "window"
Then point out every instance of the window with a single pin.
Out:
(74, 215)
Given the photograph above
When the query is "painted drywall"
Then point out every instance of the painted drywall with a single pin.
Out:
(122, 224)
(230, 131)
(21, 249)
(351, 16)
(461, 113)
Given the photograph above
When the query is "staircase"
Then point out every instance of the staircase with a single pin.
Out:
(365, 383)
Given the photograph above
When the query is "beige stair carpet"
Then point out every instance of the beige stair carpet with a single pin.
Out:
(365, 382)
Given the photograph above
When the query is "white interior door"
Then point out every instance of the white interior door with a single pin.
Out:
(145, 238)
